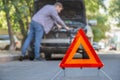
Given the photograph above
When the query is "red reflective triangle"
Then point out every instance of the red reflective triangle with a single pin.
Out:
(81, 39)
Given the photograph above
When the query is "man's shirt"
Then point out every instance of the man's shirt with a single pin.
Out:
(47, 17)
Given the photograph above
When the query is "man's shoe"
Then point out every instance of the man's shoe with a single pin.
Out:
(37, 59)
(21, 58)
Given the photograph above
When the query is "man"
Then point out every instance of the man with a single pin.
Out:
(42, 21)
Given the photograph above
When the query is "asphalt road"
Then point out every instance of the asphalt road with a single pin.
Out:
(45, 70)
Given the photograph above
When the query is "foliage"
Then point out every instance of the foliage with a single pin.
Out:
(20, 15)
(16, 15)
(92, 10)
(92, 6)
(100, 29)
(114, 10)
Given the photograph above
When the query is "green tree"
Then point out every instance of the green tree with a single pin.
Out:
(7, 9)
(22, 14)
(114, 10)
(92, 10)
(100, 29)
(92, 7)
(17, 14)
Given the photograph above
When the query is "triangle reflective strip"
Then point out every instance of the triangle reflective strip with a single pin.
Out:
(81, 39)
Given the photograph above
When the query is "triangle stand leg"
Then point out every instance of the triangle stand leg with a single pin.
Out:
(106, 74)
(64, 72)
(57, 73)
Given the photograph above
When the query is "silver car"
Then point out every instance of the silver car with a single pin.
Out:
(58, 41)
(5, 42)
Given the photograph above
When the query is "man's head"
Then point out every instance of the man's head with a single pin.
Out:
(58, 6)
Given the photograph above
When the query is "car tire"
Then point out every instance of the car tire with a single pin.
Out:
(98, 50)
(47, 56)
(7, 47)
(31, 55)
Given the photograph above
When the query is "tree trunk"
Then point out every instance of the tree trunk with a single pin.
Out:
(22, 28)
(12, 42)
(6, 9)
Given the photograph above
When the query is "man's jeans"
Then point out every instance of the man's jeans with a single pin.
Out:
(36, 31)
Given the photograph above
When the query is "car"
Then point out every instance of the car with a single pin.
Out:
(96, 46)
(5, 42)
(112, 47)
(58, 41)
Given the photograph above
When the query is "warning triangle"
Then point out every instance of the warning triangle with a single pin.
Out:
(92, 61)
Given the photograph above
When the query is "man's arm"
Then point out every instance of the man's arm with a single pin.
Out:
(59, 26)
(58, 20)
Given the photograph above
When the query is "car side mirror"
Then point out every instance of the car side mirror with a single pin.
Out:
(92, 22)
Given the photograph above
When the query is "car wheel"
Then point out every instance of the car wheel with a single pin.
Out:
(7, 47)
(31, 55)
(98, 50)
(47, 56)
